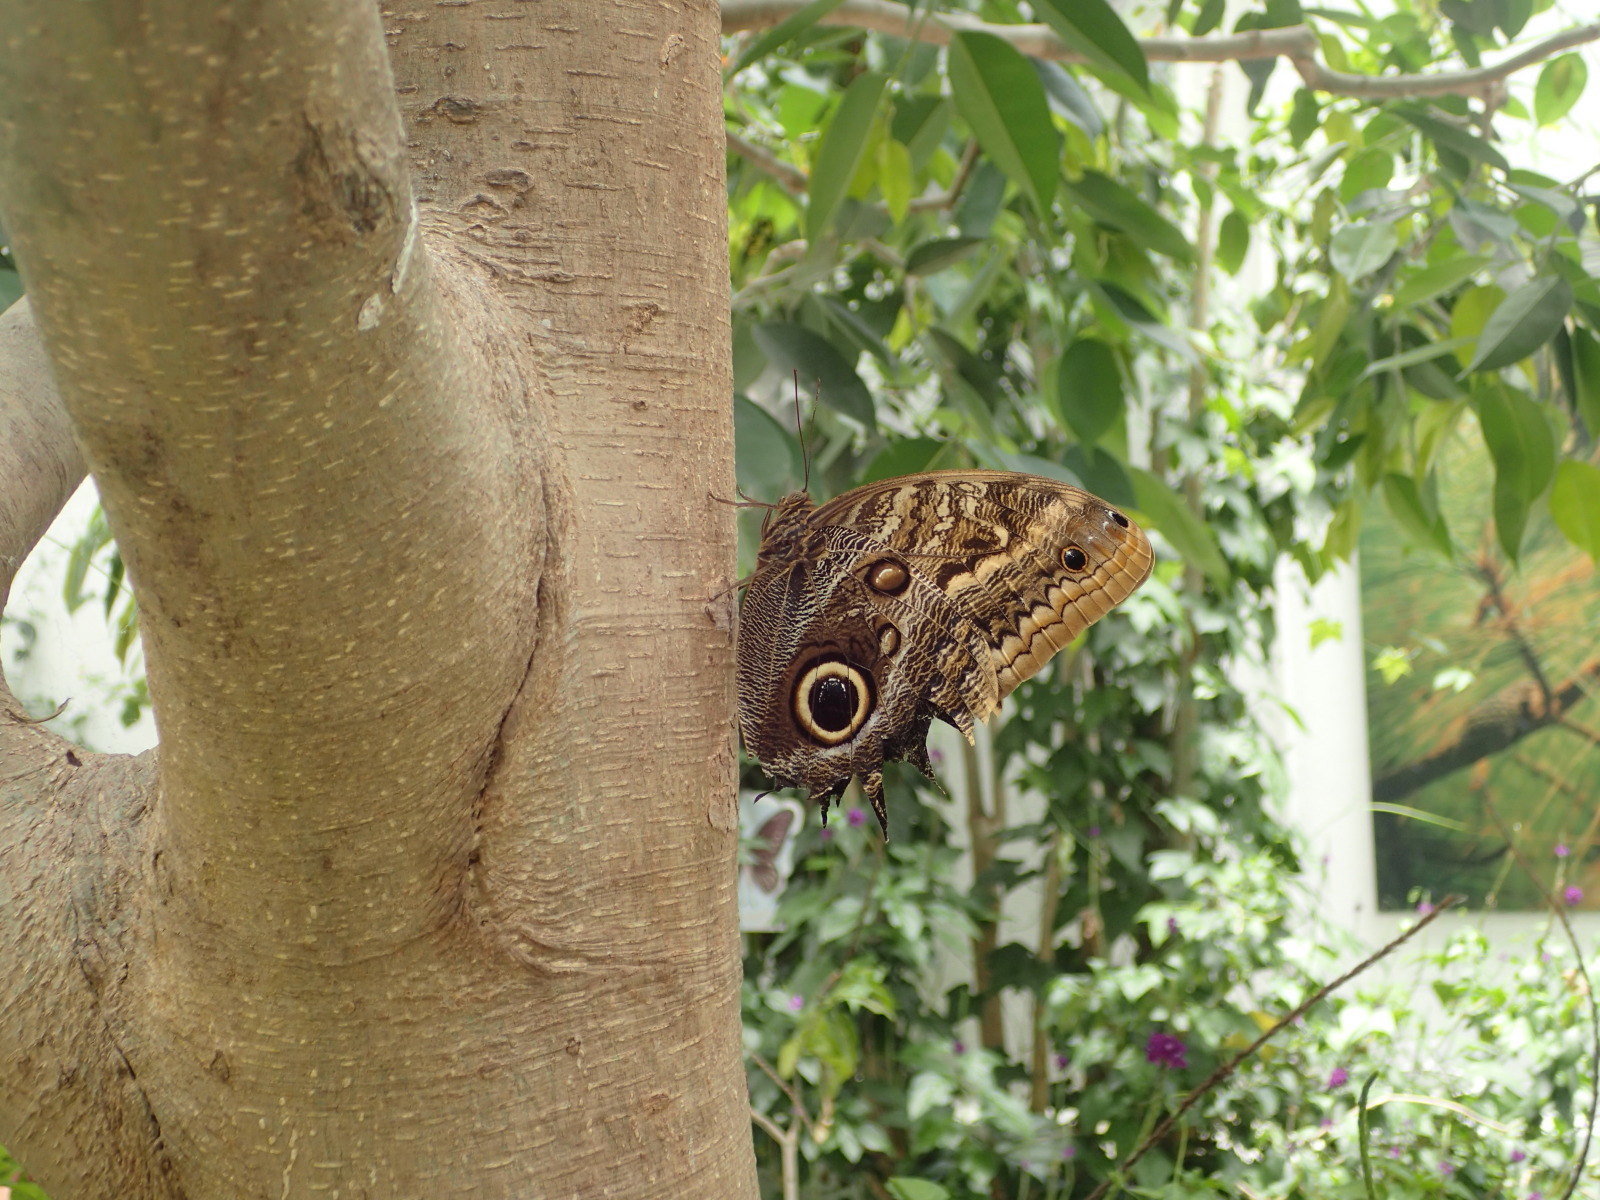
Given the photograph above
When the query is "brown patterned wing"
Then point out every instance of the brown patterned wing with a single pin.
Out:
(837, 676)
(1028, 562)
(926, 596)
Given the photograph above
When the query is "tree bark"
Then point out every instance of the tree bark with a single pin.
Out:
(411, 423)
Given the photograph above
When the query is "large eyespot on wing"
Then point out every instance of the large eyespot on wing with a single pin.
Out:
(832, 699)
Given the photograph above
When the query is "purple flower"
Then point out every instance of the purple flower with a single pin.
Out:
(826, 834)
(1172, 924)
(1327, 1122)
(1167, 1050)
(856, 817)
(1562, 850)
(1518, 1154)
(1423, 908)
(1061, 1062)
(1535, 1196)
(796, 1002)
(1573, 895)
(959, 1047)
(1093, 831)
(1447, 1168)
(1068, 1153)
(1394, 1151)
(1338, 1077)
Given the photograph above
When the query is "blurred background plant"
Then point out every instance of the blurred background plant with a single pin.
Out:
(1037, 247)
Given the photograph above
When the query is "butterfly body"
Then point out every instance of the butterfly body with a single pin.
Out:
(926, 596)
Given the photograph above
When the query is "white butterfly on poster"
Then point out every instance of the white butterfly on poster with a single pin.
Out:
(768, 827)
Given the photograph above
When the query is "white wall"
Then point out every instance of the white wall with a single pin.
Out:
(70, 659)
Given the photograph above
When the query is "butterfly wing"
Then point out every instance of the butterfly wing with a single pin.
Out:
(1029, 562)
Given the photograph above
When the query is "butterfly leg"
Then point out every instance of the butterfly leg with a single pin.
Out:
(824, 799)
(872, 784)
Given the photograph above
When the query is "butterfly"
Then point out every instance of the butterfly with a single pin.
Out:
(926, 596)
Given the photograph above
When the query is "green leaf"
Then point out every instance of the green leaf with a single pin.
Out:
(784, 31)
(1586, 378)
(902, 1187)
(1029, 464)
(1372, 168)
(1125, 305)
(1453, 138)
(1089, 389)
(1069, 98)
(999, 95)
(1525, 320)
(1575, 505)
(1524, 452)
(10, 288)
(844, 144)
(1427, 282)
(795, 348)
(766, 454)
(907, 457)
(935, 255)
(1233, 242)
(1560, 84)
(1189, 535)
(1110, 203)
(789, 1056)
(1209, 17)
(115, 571)
(1418, 354)
(1360, 249)
(1094, 30)
(1423, 526)
(894, 177)
(1472, 310)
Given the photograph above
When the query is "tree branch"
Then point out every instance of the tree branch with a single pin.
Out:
(1297, 43)
(39, 462)
(1501, 721)
(791, 177)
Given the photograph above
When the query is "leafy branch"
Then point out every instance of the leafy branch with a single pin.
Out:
(1297, 43)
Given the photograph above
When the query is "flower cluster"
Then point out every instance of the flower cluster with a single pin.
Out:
(1167, 1050)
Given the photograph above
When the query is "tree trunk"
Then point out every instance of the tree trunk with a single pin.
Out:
(412, 424)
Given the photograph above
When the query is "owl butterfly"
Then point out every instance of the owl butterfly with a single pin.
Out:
(926, 596)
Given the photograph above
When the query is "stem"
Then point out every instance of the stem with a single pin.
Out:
(1186, 713)
(981, 826)
(1049, 904)
(1233, 1064)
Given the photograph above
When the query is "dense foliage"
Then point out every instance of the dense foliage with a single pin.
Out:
(977, 257)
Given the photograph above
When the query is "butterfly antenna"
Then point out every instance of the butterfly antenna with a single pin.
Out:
(800, 428)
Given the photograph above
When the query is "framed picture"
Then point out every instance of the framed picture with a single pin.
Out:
(1483, 694)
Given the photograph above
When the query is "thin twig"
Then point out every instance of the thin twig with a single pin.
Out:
(788, 1090)
(1232, 1065)
(775, 1131)
(947, 199)
(790, 177)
